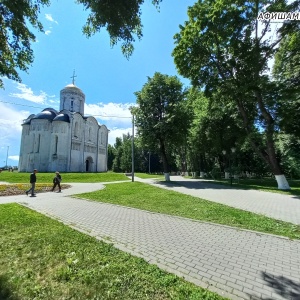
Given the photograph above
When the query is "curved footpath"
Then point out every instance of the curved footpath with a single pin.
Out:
(235, 263)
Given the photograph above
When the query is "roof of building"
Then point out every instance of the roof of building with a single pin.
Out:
(62, 117)
(47, 113)
(73, 87)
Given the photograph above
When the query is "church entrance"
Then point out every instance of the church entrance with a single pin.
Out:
(88, 164)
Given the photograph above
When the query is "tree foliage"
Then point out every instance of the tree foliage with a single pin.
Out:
(287, 73)
(161, 116)
(15, 36)
(222, 48)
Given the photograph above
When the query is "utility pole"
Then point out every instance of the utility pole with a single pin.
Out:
(6, 156)
(132, 148)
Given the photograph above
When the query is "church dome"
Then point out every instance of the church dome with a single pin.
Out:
(72, 87)
(48, 114)
(62, 117)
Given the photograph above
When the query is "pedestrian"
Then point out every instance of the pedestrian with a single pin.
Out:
(56, 181)
(32, 182)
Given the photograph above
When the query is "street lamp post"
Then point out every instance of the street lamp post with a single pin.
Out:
(149, 160)
(132, 148)
(233, 151)
(230, 171)
(6, 157)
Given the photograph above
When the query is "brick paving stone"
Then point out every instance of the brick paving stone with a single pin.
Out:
(240, 264)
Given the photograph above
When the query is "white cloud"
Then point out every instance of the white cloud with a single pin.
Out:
(47, 32)
(112, 114)
(117, 132)
(27, 94)
(50, 18)
(10, 131)
(11, 120)
(14, 157)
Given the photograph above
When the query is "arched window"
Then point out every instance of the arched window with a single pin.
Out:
(76, 130)
(33, 143)
(101, 138)
(38, 142)
(55, 144)
(90, 133)
(72, 103)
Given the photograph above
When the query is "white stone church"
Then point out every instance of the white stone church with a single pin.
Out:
(64, 141)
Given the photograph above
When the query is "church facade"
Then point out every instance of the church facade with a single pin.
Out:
(65, 140)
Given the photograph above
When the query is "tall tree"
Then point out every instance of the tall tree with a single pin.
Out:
(15, 36)
(287, 73)
(122, 20)
(161, 116)
(222, 47)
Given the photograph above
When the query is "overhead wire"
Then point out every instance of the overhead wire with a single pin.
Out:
(88, 115)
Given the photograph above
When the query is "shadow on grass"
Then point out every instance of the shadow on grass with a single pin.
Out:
(199, 184)
(196, 185)
(6, 290)
(282, 286)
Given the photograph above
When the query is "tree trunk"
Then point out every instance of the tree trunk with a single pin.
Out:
(268, 154)
(164, 160)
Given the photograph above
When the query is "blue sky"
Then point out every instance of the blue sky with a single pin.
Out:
(106, 77)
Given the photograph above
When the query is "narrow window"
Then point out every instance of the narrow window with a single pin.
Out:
(55, 144)
(33, 143)
(38, 143)
(90, 131)
(72, 102)
(76, 130)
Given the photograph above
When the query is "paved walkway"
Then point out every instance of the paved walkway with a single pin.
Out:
(236, 263)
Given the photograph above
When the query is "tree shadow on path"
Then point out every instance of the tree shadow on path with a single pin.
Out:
(283, 287)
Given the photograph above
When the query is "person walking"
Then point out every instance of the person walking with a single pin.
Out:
(56, 181)
(32, 182)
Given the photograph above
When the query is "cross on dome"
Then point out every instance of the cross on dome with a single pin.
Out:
(73, 77)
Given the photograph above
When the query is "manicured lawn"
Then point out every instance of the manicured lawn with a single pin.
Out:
(15, 177)
(41, 258)
(146, 197)
(145, 175)
(267, 184)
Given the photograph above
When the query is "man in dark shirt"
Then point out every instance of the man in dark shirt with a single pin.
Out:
(32, 182)
(56, 181)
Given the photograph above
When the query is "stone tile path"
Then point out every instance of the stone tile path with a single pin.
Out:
(236, 263)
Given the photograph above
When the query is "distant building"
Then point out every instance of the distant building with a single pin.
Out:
(64, 141)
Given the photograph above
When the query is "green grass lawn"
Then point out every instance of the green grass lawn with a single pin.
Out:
(150, 198)
(266, 184)
(145, 175)
(15, 177)
(41, 258)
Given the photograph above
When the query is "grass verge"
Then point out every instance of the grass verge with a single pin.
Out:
(15, 177)
(146, 176)
(266, 184)
(41, 258)
(150, 198)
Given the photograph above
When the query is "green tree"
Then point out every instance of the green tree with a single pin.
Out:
(161, 116)
(15, 36)
(111, 154)
(116, 167)
(221, 48)
(287, 73)
(122, 20)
